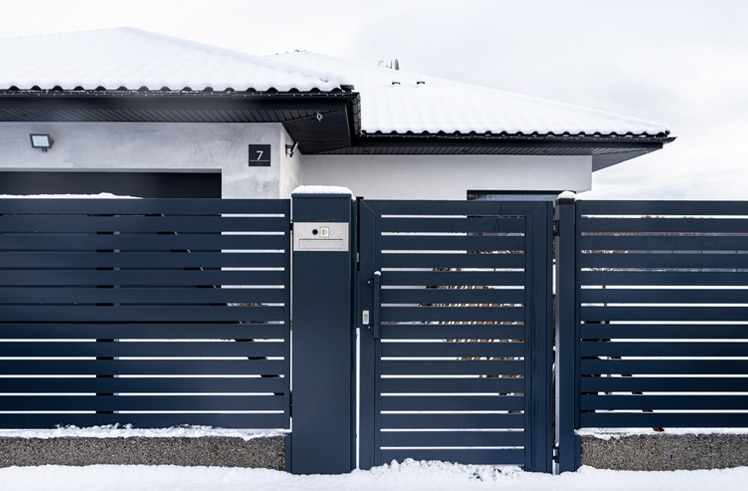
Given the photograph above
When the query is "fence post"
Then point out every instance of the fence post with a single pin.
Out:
(567, 442)
(322, 439)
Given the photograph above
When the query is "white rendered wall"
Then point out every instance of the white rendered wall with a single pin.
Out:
(445, 177)
(223, 147)
(183, 147)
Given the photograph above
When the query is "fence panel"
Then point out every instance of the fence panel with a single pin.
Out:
(148, 312)
(662, 291)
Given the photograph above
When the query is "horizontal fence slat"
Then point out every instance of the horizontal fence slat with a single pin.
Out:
(452, 439)
(663, 384)
(660, 366)
(142, 259)
(196, 384)
(450, 421)
(663, 349)
(663, 420)
(453, 331)
(508, 208)
(452, 367)
(457, 348)
(662, 260)
(662, 243)
(671, 225)
(661, 208)
(652, 402)
(148, 223)
(457, 259)
(217, 420)
(210, 403)
(494, 225)
(142, 295)
(673, 295)
(140, 349)
(175, 313)
(470, 314)
(452, 385)
(133, 367)
(430, 296)
(496, 243)
(665, 278)
(596, 330)
(148, 206)
(489, 402)
(654, 313)
(141, 242)
(507, 456)
(454, 278)
(144, 278)
(145, 331)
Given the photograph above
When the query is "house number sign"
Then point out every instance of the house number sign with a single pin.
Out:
(259, 155)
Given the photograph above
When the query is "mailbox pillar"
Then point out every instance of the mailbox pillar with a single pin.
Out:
(323, 437)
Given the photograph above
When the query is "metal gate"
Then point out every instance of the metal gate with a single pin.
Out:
(455, 352)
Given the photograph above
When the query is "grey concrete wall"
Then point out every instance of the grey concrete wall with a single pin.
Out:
(665, 452)
(264, 452)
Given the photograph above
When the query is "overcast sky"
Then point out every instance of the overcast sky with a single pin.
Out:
(680, 62)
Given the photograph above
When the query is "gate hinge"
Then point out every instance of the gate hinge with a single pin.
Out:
(555, 228)
(555, 453)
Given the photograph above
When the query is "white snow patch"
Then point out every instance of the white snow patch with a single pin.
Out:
(322, 190)
(610, 433)
(410, 475)
(125, 431)
(568, 195)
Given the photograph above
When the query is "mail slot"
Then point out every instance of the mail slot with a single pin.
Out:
(320, 236)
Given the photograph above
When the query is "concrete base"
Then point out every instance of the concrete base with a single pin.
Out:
(265, 452)
(664, 452)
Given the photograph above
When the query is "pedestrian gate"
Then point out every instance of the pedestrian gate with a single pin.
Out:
(455, 310)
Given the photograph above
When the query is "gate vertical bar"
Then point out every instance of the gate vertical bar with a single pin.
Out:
(369, 230)
(323, 440)
(539, 234)
(566, 339)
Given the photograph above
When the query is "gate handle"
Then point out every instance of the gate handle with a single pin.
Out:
(377, 285)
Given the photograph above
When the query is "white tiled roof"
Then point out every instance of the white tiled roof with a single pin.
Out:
(395, 101)
(392, 101)
(132, 59)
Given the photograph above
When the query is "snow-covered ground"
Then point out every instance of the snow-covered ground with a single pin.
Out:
(411, 476)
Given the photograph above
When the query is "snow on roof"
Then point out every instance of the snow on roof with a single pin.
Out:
(396, 101)
(391, 101)
(132, 59)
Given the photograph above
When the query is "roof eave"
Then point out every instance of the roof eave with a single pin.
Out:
(318, 120)
(606, 150)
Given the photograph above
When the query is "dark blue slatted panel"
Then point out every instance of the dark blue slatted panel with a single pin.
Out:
(453, 373)
(663, 313)
(148, 312)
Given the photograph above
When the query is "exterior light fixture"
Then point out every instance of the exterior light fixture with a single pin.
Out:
(291, 149)
(42, 141)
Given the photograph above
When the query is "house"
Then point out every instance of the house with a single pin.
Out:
(137, 113)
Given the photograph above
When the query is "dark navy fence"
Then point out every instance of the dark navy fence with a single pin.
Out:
(171, 312)
(149, 312)
(658, 335)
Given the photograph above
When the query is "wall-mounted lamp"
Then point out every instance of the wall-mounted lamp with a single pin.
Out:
(42, 141)
(291, 149)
